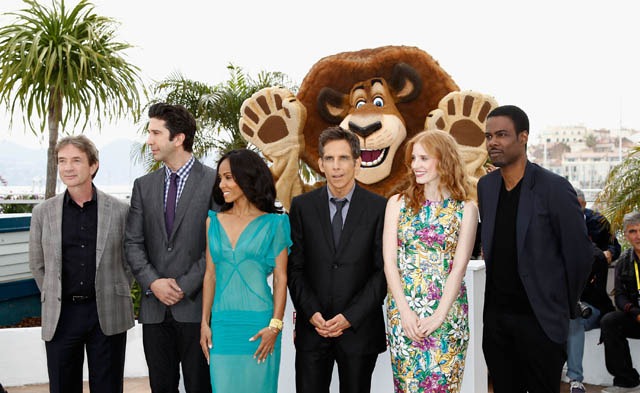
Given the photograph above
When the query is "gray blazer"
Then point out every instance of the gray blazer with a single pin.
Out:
(113, 278)
(152, 255)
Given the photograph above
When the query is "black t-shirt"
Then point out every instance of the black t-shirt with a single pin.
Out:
(505, 291)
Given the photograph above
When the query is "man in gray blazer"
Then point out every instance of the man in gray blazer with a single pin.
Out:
(77, 259)
(538, 257)
(165, 242)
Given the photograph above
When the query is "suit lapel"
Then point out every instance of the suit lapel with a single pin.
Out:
(322, 209)
(55, 229)
(491, 209)
(525, 206)
(104, 222)
(157, 198)
(190, 187)
(356, 209)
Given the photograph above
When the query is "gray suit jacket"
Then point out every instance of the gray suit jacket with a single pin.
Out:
(113, 278)
(554, 251)
(152, 255)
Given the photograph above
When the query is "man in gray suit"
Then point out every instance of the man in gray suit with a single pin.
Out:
(77, 259)
(165, 242)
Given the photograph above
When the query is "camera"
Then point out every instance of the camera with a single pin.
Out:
(583, 310)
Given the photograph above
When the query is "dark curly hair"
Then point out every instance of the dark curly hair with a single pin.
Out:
(178, 120)
(253, 176)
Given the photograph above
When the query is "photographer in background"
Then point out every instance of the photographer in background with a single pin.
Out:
(624, 323)
(594, 302)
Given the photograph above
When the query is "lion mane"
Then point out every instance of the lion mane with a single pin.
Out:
(340, 72)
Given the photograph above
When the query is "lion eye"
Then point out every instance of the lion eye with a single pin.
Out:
(359, 103)
(378, 101)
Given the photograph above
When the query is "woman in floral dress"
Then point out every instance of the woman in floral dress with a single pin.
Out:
(428, 239)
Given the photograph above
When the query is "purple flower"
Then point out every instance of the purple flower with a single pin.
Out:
(434, 291)
(429, 236)
(431, 384)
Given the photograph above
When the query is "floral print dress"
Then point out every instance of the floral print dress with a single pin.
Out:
(426, 246)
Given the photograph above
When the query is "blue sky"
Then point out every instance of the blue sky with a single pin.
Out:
(564, 62)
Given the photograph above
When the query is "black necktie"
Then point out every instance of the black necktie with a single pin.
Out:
(170, 210)
(336, 221)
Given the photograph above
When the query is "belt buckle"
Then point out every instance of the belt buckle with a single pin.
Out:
(78, 298)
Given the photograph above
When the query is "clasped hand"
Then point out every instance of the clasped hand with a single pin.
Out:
(334, 327)
(419, 328)
(167, 291)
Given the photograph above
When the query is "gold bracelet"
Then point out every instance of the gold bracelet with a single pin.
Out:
(275, 323)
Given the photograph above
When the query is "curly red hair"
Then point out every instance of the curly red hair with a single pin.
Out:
(453, 177)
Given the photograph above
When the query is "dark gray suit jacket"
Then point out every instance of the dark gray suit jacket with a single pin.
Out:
(554, 251)
(348, 280)
(152, 255)
(113, 278)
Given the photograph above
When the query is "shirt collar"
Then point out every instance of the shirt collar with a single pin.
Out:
(69, 201)
(182, 171)
(347, 197)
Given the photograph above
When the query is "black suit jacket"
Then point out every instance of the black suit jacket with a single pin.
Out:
(348, 280)
(554, 251)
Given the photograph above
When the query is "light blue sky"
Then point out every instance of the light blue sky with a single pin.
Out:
(563, 62)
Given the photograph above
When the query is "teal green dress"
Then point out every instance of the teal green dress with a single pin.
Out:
(243, 303)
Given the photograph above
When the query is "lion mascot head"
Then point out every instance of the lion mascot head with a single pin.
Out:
(384, 95)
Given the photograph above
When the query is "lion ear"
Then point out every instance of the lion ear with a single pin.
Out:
(333, 106)
(405, 82)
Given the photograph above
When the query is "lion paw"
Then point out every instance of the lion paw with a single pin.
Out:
(272, 119)
(463, 114)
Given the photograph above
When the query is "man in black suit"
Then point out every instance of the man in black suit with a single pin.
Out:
(336, 277)
(538, 258)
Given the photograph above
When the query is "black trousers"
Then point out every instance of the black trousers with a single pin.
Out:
(314, 369)
(616, 327)
(166, 346)
(520, 357)
(78, 327)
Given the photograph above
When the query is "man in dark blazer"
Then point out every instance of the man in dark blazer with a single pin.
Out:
(77, 260)
(164, 243)
(336, 278)
(538, 257)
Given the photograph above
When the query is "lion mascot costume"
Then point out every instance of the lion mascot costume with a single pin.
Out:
(385, 96)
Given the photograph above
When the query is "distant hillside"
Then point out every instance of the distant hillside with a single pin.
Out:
(22, 166)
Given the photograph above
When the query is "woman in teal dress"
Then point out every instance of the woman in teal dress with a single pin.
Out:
(428, 239)
(248, 242)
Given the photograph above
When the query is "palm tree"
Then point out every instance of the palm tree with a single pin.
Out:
(64, 65)
(216, 109)
(621, 192)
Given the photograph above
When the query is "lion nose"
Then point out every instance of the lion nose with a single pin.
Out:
(365, 131)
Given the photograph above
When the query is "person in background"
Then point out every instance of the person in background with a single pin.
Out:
(77, 259)
(336, 273)
(429, 234)
(248, 242)
(624, 323)
(165, 244)
(538, 257)
(594, 302)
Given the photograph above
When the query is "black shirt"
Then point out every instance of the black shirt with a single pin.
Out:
(79, 233)
(504, 286)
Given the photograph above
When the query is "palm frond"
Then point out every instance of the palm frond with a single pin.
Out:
(621, 192)
(64, 66)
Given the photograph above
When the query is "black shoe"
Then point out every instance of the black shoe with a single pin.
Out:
(622, 384)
